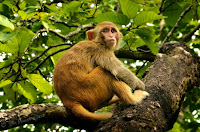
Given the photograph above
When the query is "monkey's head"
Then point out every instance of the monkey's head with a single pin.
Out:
(107, 34)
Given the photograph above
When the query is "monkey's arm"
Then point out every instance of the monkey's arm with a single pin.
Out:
(115, 66)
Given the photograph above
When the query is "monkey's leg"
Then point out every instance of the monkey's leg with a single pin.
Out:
(96, 92)
(83, 113)
(123, 91)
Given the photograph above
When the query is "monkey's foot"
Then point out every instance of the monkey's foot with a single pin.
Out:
(139, 95)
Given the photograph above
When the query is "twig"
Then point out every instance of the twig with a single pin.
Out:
(48, 57)
(167, 6)
(189, 35)
(7, 72)
(71, 33)
(52, 46)
(162, 4)
(45, 77)
(177, 23)
(60, 35)
(57, 21)
(95, 9)
(141, 67)
(30, 43)
(79, 29)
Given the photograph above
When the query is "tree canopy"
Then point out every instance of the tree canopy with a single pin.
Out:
(35, 33)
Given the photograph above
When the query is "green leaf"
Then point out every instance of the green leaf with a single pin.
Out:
(4, 37)
(5, 83)
(3, 99)
(16, 67)
(198, 11)
(23, 42)
(45, 24)
(22, 5)
(5, 48)
(52, 7)
(57, 56)
(136, 43)
(23, 72)
(146, 16)
(146, 35)
(33, 3)
(139, 1)
(40, 83)
(26, 89)
(38, 49)
(22, 14)
(18, 43)
(71, 7)
(143, 69)
(177, 128)
(122, 44)
(5, 22)
(173, 12)
(129, 8)
(9, 92)
(113, 17)
(6, 62)
(10, 4)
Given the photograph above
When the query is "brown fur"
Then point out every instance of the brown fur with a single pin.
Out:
(87, 76)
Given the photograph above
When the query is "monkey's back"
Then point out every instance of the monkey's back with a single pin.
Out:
(72, 67)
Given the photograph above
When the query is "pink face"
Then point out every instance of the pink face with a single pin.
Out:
(109, 34)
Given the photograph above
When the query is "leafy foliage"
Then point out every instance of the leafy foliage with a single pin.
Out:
(34, 34)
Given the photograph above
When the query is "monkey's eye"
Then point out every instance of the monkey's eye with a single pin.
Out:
(113, 30)
(105, 30)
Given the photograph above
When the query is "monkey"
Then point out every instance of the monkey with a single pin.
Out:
(89, 76)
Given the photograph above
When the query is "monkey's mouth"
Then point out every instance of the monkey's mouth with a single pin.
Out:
(112, 40)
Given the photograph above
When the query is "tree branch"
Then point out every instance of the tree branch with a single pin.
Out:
(90, 25)
(176, 25)
(120, 54)
(135, 55)
(173, 72)
(57, 21)
(161, 6)
(50, 47)
(60, 35)
(189, 35)
(36, 113)
(49, 57)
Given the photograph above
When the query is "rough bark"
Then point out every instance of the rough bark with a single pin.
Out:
(173, 72)
(135, 55)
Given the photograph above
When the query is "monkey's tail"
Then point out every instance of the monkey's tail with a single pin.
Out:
(81, 112)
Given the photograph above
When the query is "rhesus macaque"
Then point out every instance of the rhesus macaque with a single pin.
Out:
(89, 76)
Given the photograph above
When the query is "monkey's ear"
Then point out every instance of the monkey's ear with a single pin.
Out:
(121, 35)
(90, 34)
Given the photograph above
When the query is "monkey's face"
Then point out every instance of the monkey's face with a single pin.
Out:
(109, 35)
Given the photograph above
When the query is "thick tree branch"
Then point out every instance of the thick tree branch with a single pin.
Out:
(27, 114)
(120, 54)
(173, 72)
(135, 55)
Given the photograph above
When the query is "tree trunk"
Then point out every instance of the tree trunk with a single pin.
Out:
(173, 72)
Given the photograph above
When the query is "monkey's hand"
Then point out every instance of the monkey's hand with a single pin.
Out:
(140, 85)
